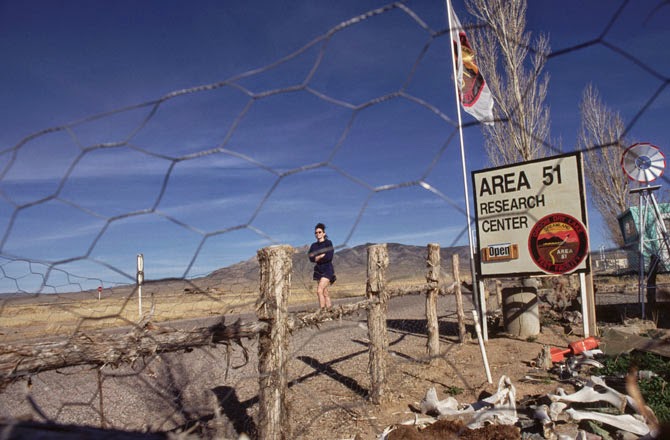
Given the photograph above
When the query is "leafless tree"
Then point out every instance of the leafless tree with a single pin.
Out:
(601, 140)
(513, 71)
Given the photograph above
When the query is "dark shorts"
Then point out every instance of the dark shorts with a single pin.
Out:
(324, 271)
(332, 278)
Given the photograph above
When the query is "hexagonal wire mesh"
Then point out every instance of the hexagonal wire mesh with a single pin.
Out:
(267, 160)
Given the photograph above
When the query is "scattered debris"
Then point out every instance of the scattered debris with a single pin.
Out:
(620, 339)
(574, 348)
(603, 407)
(544, 359)
(541, 415)
(498, 409)
(624, 422)
(588, 394)
(433, 407)
(568, 362)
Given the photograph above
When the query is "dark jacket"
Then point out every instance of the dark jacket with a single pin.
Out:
(324, 267)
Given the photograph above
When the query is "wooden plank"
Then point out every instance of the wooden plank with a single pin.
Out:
(615, 342)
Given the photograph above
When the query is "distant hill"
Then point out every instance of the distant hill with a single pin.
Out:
(406, 262)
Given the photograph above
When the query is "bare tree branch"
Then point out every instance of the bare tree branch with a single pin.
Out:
(100, 348)
(601, 140)
(513, 71)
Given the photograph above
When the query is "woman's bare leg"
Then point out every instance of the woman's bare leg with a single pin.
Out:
(322, 293)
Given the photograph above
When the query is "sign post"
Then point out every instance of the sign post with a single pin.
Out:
(531, 220)
(140, 280)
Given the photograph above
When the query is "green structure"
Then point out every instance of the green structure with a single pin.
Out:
(629, 222)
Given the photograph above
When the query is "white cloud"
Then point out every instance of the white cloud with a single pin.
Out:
(424, 236)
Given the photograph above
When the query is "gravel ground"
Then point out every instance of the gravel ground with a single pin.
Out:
(213, 391)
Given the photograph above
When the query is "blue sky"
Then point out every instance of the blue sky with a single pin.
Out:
(109, 149)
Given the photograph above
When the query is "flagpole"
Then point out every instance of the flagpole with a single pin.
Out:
(475, 287)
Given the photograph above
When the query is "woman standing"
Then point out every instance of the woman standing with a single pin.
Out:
(321, 252)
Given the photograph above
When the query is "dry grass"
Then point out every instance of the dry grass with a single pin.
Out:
(62, 315)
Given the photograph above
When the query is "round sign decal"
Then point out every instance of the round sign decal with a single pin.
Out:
(558, 243)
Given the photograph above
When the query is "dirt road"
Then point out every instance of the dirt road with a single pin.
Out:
(214, 390)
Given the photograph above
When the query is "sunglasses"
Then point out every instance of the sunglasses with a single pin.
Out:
(318, 232)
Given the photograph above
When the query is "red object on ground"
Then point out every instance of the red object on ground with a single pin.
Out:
(577, 347)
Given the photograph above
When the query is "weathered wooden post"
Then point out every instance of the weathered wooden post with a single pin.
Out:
(499, 293)
(455, 261)
(275, 283)
(432, 278)
(376, 290)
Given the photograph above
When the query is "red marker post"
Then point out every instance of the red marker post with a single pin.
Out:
(99, 292)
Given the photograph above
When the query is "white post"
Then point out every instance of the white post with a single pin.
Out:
(475, 287)
(478, 329)
(140, 280)
(586, 315)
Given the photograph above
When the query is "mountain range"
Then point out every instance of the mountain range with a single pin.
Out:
(406, 263)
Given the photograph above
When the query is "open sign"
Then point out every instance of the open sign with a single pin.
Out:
(500, 252)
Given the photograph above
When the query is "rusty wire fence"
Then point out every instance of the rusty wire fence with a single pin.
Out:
(68, 247)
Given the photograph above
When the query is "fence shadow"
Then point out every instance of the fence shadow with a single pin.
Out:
(419, 327)
(391, 344)
(236, 411)
(327, 369)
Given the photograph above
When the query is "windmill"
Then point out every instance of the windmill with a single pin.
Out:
(644, 163)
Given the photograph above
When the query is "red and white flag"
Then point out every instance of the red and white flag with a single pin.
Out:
(474, 93)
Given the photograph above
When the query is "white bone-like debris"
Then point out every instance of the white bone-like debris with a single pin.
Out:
(581, 435)
(432, 406)
(624, 422)
(597, 380)
(588, 394)
(540, 413)
(499, 408)
(555, 409)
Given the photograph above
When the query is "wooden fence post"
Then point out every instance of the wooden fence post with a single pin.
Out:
(275, 283)
(376, 290)
(499, 294)
(432, 278)
(459, 298)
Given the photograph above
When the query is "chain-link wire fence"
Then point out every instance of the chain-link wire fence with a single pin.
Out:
(69, 241)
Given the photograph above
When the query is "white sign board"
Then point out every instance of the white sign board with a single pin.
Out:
(531, 217)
